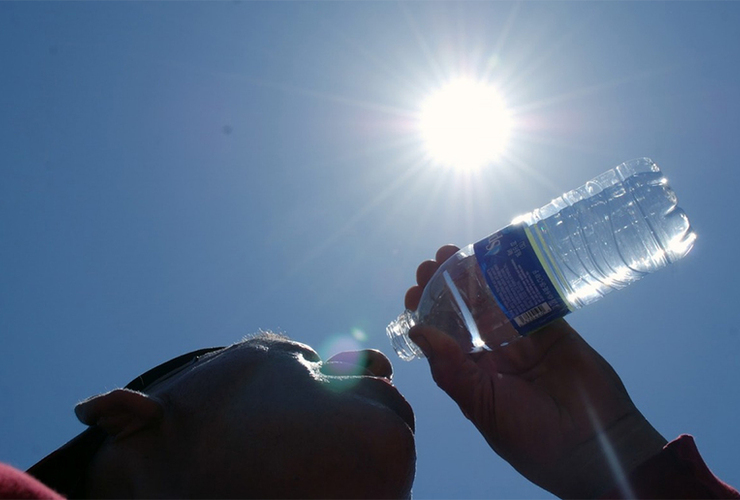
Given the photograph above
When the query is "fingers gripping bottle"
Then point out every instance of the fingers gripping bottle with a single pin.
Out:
(603, 236)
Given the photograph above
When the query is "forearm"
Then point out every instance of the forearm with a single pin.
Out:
(605, 462)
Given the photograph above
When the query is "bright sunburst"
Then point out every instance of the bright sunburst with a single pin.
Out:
(465, 124)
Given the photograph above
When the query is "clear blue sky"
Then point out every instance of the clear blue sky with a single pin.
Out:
(176, 175)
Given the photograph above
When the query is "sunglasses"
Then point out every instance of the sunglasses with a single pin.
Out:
(167, 369)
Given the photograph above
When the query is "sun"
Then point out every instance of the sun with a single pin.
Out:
(465, 124)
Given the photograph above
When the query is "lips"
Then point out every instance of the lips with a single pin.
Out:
(382, 391)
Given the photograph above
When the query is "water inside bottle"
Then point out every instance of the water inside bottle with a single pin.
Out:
(604, 240)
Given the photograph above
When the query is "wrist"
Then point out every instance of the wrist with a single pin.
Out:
(605, 461)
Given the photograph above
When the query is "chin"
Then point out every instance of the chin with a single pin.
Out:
(392, 470)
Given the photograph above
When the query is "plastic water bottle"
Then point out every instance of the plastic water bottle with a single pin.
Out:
(603, 236)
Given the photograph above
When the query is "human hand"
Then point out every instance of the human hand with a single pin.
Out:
(548, 403)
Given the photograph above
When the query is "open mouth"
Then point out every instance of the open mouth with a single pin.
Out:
(382, 391)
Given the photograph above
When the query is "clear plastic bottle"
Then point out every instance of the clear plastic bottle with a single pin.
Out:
(603, 236)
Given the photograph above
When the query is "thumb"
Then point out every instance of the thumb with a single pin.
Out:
(452, 369)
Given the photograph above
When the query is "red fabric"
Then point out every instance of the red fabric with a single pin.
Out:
(676, 472)
(18, 484)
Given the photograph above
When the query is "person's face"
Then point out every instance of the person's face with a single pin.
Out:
(268, 418)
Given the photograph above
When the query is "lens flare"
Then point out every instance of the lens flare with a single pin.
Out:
(338, 343)
(344, 351)
(358, 335)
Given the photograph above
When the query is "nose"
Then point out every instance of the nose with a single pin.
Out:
(365, 362)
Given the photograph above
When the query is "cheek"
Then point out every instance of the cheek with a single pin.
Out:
(340, 448)
(323, 445)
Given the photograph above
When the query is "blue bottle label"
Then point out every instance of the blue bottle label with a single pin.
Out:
(518, 280)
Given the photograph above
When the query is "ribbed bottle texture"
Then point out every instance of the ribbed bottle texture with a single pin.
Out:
(600, 237)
